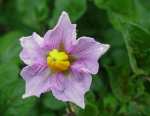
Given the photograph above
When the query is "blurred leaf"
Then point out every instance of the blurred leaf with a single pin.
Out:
(27, 15)
(90, 97)
(134, 109)
(146, 103)
(127, 16)
(90, 110)
(110, 101)
(75, 8)
(121, 83)
(139, 42)
(110, 105)
(32, 13)
(50, 102)
(118, 69)
(125, 8)
(23, 107)
(9, 47)
(117, 52)
(48, 114)
(11, 87)
(131, 34)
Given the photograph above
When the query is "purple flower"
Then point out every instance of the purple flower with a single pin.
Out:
(59, 63)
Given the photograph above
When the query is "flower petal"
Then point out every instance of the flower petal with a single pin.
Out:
(79, 67)
(87, 51)
(32, 49)
(73, 87)
(63, 35)
(37, 80)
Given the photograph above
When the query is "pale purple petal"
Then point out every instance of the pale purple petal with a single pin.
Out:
(37, 80)
(63, 34)
(86, 65)
(87, 52)
(79, 67)
(32, 51)
(72, 87)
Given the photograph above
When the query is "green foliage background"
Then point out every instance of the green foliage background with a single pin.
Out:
(122, 86)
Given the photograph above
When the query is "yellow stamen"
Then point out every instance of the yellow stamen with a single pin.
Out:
(58, 60)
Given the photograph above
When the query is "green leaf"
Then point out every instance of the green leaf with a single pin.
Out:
(121, 83)
(128, 17)
(9, 49)
(90, 97)
(32, 13)
(135, 109)
(75, 8)
(134, 37)
(117, 51)
(98, 86)
(27, 15)
(50, 102)
(110, 102)
(11, 89)
(23, 107)
(90, 110)
(12, 86)
(139, 42)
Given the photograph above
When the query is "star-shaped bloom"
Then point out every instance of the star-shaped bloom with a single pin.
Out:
(60, 63)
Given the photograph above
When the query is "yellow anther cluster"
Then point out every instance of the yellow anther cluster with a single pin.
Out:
(58, 60)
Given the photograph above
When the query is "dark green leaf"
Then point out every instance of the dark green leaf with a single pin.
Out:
(90, 110)
(50, 102)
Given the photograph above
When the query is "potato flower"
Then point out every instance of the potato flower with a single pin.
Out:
(59, 63)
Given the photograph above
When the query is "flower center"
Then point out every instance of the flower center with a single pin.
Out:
(58, 60)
